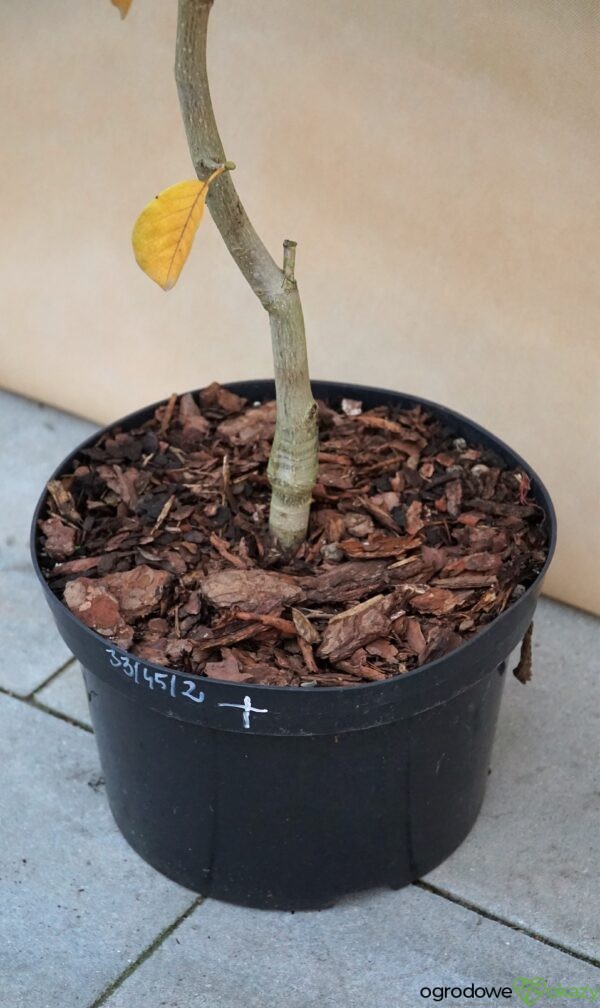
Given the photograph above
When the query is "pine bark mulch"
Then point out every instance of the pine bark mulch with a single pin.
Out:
(158, 540)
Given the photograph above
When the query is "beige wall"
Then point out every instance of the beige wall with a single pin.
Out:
(437, 160)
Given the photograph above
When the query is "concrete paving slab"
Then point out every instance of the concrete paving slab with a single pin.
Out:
(66, 694)
(374, 951)
(33, 439)
(77, 904)
(31, 647)
(533, 855)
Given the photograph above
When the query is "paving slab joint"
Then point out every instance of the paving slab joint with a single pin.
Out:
(147, 952)
(30, 701)
(54, 675)
(488, 915)
(74, 722)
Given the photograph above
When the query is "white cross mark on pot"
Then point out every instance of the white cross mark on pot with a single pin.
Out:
(247, 709)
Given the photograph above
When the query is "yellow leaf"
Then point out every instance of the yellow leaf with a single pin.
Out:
(164, 231)
(123, 6)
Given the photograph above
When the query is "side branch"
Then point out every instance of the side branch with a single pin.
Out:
(289, 258)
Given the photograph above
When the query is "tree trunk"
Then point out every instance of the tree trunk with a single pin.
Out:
(293, 463)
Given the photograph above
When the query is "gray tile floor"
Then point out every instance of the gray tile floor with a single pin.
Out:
(84, 922)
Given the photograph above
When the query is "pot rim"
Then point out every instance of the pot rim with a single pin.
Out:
(263, 388)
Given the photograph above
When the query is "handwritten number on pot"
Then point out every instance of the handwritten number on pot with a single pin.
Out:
(162, 681)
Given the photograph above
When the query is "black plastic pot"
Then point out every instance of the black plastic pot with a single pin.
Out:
(289, 798)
